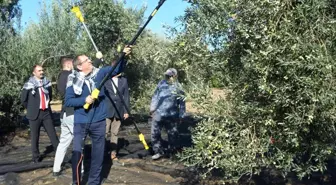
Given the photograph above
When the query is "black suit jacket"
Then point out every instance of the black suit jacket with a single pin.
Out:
(32, 102)
(61, 87)
(115, 107)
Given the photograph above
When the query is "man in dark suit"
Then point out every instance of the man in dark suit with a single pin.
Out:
(35, 97)
(115, 109)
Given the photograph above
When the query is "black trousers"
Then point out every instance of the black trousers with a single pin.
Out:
(44, 118)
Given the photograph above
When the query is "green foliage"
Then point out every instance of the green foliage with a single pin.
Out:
(9, 10)
(9, 13)
(278, 57)
(110, 24)
(145, 69)
(9, 79)
(59, 33)
(54, 36)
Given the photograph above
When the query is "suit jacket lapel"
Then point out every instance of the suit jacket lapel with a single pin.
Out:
(109, 86)
(119, 83)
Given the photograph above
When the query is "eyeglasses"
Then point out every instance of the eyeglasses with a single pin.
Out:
(87, 60)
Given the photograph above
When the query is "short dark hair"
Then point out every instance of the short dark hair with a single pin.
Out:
(65, 58)
(34, 67)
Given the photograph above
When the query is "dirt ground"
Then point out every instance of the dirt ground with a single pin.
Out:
(134, 166)
(56, 106)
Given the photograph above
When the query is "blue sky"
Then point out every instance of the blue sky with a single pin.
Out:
(166, 15)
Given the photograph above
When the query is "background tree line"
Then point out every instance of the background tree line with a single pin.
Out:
(275, 59)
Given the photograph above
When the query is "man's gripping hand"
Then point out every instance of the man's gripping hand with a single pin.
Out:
(99, 55)
(127, 49)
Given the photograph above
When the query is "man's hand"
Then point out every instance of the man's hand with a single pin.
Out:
(126, 116)
(99, 55)
(127, 49)
(89, 99)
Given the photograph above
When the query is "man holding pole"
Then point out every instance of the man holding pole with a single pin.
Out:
(92, 121)
(95, 92)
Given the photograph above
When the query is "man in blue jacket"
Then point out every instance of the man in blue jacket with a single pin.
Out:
(167, 106)
(92, 121)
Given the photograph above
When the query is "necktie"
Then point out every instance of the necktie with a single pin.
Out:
(43, 103)
(115, 80)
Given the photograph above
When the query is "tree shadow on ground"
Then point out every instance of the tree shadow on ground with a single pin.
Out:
(130, 147)
(184, 128)
(8, 128)
(136, 150)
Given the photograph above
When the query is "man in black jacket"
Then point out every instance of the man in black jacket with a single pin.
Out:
(35, 97)
(115, 109)
(67, 115)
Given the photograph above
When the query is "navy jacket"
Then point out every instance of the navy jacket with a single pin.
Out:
(168, 100)
(97, 111)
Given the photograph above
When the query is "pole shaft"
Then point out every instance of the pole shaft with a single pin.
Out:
(87, 31)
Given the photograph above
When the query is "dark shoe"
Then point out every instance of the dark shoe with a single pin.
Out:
(36, 161)
(56, 174)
